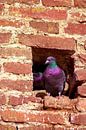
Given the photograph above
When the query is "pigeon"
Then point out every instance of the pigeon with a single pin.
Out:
(38, 81)
(54, 77)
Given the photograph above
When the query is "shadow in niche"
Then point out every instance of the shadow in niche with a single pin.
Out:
(64, 60)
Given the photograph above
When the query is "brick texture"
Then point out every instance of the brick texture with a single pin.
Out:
(4, 37)
(81, 105)
(73, 28)
(49, 27)
(20, 1)
(7, 127)
(80, 3)
(81, 75)
(31, 30)
(20, 85)
(21, 99)
(17, 68)
(39, 13)
(37, 127)
(82, 90)
(78, 119)
(55, 103)
(57, 3)
(4, 22)
(2, 99)
(18, 52)
(47, 42)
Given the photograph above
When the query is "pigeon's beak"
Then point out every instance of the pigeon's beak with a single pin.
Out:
(47, 62)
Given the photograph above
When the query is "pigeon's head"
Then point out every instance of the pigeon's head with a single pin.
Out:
(50, 60)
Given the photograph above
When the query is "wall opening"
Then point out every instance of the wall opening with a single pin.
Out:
(64, 60)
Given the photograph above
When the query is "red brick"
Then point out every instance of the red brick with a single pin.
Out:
(4, 37)
(74, 28)
(85, 45)
(49, 27)
(81, 105)
(78, 16)
(32, 99)
(21, 99)
(37, 127)
(78, 119)
(20, 85)
(16, 100)
(0, 67)
(47, 42)
(30, 2)
(1, 8)
(39, 12)
(82, 58)
(66, 3)
(13, 116)
(17, 68)
(82, 90)
(80, 3)
(6, 52)
(2, 99)
(62, 103)
(81, 74)
(48, 117)
(20, 1)
(7, 127)
(17, 24)
(57, 127)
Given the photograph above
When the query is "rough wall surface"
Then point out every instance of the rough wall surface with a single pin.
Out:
(49, 24)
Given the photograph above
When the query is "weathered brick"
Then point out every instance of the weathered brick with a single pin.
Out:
(32, 99)
(81, 74)
(30, 2)
(85, 45)
(17, 68)
(20, 1)
(37, 127)
(74, 28)
(81, 105)
(62, 103)
(82, 58)
(78, 16)
(57, 127)
(78, 119)
(21, 99)
(4, 37)
(16, 100)
(17, 24)
(2, 99)
(48, 117)
(82, 90)
(47, 42)
(7, 127)
(13, 116)
(1, 8)
(66, 3)
(6, 52)
(20, 85)
(49, 27)
(80, 3)
(39, 12)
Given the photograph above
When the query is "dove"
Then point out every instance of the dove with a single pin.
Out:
(54, 77)
(38, 81)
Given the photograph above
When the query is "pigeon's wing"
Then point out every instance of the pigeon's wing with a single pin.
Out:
(38, 82)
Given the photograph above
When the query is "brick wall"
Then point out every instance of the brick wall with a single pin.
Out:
(47, 24)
